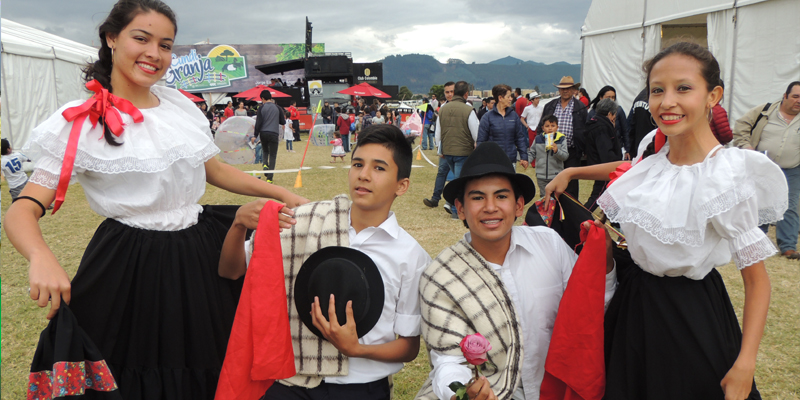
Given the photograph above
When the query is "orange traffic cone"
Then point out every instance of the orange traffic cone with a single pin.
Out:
(419, 154)
(298, 183)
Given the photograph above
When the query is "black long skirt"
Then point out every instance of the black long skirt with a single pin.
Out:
(669, 338)
(155, 306)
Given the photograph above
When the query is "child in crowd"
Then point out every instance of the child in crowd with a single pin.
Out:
(548, 152)
(357, 368)
(338, 149)
(12, 169)
(288, 134)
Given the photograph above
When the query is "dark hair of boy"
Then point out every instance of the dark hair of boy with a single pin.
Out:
(514, 188)
(293, 102)
(551, 119)
(392, 138)
(266, 95)
(461, 89)
(338, 109)
(6, 147)
(450, 83)
(287, 114)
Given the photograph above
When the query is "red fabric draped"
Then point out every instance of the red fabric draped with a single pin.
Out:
(575, 365)
(101, 105)
(260, 347)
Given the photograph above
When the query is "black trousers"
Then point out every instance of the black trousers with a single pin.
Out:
(269, 145)
(296, 126)
(378, 390)
(574, 160)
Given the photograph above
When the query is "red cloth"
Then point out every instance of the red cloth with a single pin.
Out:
(720, 125)
(520, 105)
(584, 100)
(260, 347)
(293, 113)
(575, 365)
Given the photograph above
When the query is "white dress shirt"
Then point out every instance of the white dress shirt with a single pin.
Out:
(535, 273)
(401, 261)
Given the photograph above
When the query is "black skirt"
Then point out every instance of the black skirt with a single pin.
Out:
(155, 306)
(669, 338)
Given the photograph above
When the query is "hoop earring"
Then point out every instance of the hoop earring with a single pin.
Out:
(112, 56)
(652, 121)
(710, 115)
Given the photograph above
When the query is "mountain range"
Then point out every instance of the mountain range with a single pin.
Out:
(419, 72)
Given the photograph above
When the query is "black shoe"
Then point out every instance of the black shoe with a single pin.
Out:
(430, 203)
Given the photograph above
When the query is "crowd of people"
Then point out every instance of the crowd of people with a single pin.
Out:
(157, 288)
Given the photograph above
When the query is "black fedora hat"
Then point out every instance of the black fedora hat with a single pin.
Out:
(346, 273)
(487, 159)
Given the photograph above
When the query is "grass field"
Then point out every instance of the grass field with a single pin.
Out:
(68, 233)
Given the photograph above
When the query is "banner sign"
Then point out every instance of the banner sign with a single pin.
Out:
(315, 88)
(371, 73)
(230, 68)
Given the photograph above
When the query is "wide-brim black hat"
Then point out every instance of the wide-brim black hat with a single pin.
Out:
(346, 273)
(487, 159)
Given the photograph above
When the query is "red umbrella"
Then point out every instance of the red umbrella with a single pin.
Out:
(364, 90)
(255, 93)
(191, 96)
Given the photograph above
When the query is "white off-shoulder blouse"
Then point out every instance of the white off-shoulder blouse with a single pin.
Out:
(152, 181)
(688, 220)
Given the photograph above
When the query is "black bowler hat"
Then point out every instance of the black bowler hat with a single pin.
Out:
(346, 273)
(488, 158)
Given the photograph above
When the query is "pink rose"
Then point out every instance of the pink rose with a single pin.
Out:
(475, 348)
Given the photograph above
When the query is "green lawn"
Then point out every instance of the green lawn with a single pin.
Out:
(68, 233)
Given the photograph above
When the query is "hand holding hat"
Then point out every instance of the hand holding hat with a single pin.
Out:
(343, 337)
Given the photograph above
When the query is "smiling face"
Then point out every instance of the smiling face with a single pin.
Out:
(373, 178)
(490, 210)
(142, 51)
(679, 95)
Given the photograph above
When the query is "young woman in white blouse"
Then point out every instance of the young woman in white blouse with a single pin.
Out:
(686, 207)
(146, 291)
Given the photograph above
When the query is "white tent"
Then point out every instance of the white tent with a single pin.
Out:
(41, 72)
(755, 41)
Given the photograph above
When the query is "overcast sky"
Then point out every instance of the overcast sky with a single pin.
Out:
(480, 31)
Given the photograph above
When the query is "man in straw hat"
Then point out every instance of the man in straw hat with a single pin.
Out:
(571, 114)
(515, 274)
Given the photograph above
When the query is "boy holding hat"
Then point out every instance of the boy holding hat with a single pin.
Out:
(501, 280)
(332, 358)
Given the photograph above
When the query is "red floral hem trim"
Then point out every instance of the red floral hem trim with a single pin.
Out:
(70, 379)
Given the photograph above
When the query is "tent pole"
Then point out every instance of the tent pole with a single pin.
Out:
(732, 83)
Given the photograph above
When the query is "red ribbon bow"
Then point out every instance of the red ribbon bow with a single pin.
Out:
(101, 105)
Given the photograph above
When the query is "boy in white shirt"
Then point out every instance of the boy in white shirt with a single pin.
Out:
(350, 367)
(12, 169)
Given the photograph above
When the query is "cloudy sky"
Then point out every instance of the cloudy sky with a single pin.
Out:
(480, 31)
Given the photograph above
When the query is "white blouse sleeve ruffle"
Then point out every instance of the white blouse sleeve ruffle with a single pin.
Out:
(734, 192)
(174, 130)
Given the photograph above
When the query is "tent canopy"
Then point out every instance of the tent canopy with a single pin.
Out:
(619, 35)
(40, 73)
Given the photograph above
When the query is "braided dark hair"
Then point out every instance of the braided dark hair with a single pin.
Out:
(709, 69)
(120, 16)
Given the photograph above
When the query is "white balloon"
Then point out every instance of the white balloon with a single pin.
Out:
(232, 138)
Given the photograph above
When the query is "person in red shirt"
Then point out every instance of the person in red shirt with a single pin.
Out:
(228, 111)
(295, 118)
(521, 102)
(343, 123)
